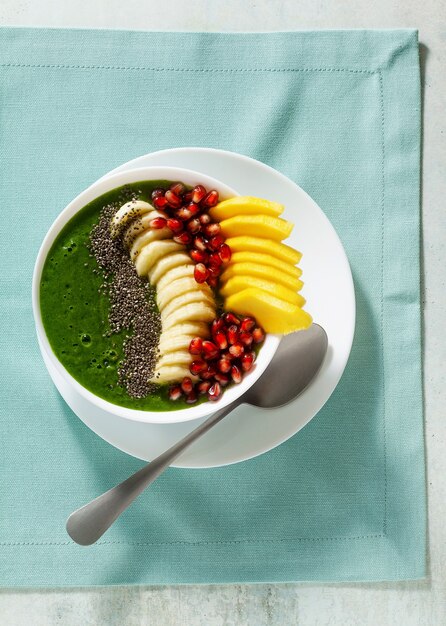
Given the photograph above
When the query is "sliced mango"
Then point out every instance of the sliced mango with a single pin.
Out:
(266, 259)
(266, 272)
(273, 314)
(238, 283)
(245, 205)
(274, 228)
(265, 246)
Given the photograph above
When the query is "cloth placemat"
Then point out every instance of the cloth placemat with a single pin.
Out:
(339, 113)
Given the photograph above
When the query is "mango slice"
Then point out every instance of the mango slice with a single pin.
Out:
(245, 205)
(274, 228)
(266, 259)
(266, 272)
(238, 283)
(265, 246)
(274, 314)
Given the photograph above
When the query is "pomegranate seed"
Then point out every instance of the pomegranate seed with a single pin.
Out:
(183, 214)
(198, 366)
(236, 350)
(200, 273)
(230, 319)
(204, 219)
(212, 281)
(214, 392)
(200, 243)
(159, 202)
(220, 340)
(186, 385)
(196, 345)
(225, 253)
(246, 338)
(175, 393)
(210, 350)
(223, 379)
(216, 242)
(173, 200)
(224, 365)
(211, 199)
(214, 271)
(158, 222)
(184, 238)
(247, 361)
(177, 188)
(209, 373)
(194, 226)
(187, 197)
(157, 192)
(193, 208)
(175, 225)
(212, 229)
(198, 256)
(236, 374)
(198, 193)
(192, 397)
(203, 387)
(258, 335)
(233, 334)
(247, 324)
(217, 325)
(215, 260)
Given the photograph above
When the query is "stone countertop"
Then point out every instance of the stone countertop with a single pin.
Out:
(408, 603)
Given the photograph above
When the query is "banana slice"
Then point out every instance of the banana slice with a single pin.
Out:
(184, 300)
(152, 234)
(128, 212)
(171, 373)
(139, 225)
(153, 252)
(176, 343)
(167, 263)
(177, 288)
(194, 329)
(191, 312)
(177, 272)
(182, 357)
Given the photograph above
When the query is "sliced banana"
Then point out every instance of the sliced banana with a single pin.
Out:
(176, 343)
(184, 300)
(196, 311)
(177, 272)
(194, 329)
(153, 252)
(139, 225)
(171, 373)
(167, 263)
(127, 212)
(177, 288)
(152, 234)
(182, 357)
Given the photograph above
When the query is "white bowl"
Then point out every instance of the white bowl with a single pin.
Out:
(102, 186)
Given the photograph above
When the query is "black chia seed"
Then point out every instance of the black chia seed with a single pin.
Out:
(132, 307)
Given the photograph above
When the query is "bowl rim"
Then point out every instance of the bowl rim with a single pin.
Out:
(92, 192)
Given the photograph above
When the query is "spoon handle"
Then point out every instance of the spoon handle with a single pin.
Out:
(89, 523)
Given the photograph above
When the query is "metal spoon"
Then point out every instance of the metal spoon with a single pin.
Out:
(295, 364)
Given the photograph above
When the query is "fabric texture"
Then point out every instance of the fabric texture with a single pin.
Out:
(339, 113)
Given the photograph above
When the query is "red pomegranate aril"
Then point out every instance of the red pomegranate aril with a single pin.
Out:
(184, 238)
(157, 192)
(212, 229)
(209, 373)
(212, 281)
(160, 202)
(177, 188)
(214, 259)
(204, 219)
(187, 197)
(217, 325)
(157, 223)
(198, 366)
(200, 273)
(198, 193)
(236, 350)
(224, 365)
(176, 226)
(172, 199)
(216, 242)
(214, 271)
(192, 397)
(183, 214)
(193, 226)
(258, 335)
(236, 374)
(246, 338)
(203, 386)
(247, 361)
(233, 334)
(221, 340)
(247, 324)
(196, 345)
(214, 392)
(200, 243)
(225, 253)
(193, 208)
(175, 393)
(210, 350)
(230, 319)
(211, 199)
(187, 385)
(198, 256)
(223, 379)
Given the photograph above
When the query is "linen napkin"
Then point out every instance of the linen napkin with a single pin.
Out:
(339, 113)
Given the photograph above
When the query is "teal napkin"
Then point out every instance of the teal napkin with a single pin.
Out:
(339, 113)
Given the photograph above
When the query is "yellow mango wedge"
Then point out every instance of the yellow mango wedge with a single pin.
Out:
(272, 228)
(273, 314)
(238, 283)
(266, 259)
(265, 272)
(245, 205)
(265, 246)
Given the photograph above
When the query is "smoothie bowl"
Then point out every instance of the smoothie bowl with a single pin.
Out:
(160, 294)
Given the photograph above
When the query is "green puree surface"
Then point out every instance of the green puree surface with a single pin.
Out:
(75, 315)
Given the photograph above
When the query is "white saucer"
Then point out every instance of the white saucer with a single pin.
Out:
(329, 292)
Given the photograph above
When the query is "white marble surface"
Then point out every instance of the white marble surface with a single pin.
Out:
(408, 604)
